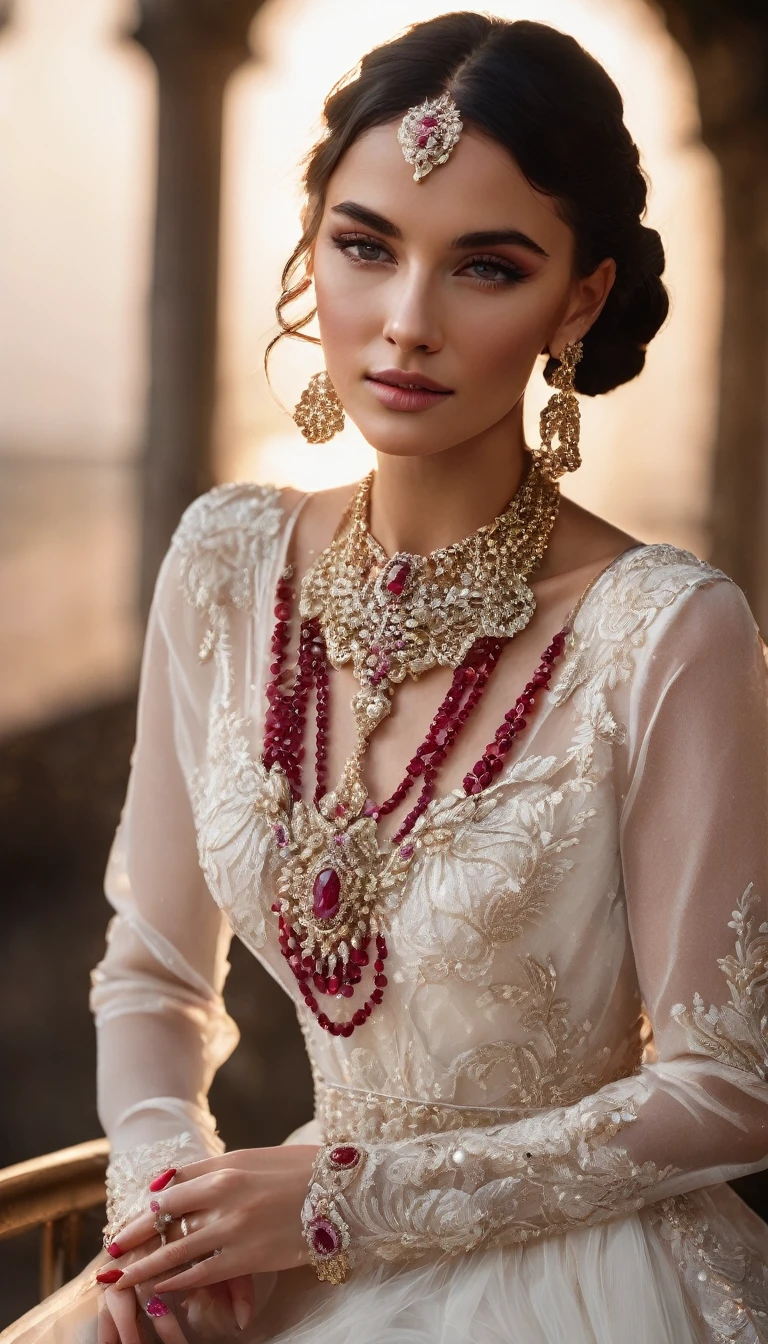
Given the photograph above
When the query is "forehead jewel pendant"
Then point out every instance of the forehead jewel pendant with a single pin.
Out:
(428, 133)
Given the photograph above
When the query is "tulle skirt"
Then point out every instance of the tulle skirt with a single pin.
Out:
(629, 1281)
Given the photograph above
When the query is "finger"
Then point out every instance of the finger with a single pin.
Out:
(122, 1308)
(241, 1293)
(164, 1320)
(214, 1269)
(186, 1198)
(106, 1330)
(160, 1263)
(190, 1170)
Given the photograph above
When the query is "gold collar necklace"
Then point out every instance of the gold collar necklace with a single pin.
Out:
(402, 615)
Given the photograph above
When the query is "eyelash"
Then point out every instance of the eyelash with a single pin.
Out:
(513, 274)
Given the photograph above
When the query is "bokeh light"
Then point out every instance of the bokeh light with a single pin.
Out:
(77, 120)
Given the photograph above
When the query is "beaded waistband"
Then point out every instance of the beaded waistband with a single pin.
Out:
(356, 1114)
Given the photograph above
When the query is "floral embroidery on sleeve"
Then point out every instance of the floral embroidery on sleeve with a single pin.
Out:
(129, 1173)
(737, 1032)
(498, 1186)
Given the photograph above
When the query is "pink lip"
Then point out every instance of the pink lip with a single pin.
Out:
(399, 378)
(404, 398)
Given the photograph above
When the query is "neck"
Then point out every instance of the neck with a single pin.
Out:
(419, 504)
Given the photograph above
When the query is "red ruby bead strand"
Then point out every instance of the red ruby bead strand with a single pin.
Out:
(443, 730)
(492, 760)
(286, 717)
(342, 985)
(476, 670)
(321, 740)
(284, 731)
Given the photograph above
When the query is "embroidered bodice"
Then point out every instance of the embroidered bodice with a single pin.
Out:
(576, 1022)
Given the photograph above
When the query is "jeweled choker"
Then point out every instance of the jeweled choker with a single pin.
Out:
(399, 616)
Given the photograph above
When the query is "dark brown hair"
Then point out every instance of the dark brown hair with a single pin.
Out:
(556, 111)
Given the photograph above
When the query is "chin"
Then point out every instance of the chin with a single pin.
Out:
(411, 438)
(389, 449)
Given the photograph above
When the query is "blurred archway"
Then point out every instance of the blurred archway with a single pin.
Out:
(78, 110)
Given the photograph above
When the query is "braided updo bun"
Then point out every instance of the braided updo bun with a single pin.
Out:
(560, 116)
(615, 345)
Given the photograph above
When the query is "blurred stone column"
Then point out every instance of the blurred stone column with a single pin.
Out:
(726, 42)
(195, 45)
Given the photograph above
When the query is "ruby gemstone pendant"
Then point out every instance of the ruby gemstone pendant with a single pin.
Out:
(398, 578)
(326, 891)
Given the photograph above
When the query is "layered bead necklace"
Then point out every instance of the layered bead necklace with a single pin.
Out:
(391, 617)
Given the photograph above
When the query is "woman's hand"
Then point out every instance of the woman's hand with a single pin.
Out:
(243, 1212)
(117, 1318)
(222, 1310)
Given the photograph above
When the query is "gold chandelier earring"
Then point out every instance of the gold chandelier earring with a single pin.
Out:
(561, 417)
(319, 412)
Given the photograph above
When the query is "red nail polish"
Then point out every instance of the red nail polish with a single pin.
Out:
(160, 1182)
(114, 1250)
(110, 1275)
(156, 1307)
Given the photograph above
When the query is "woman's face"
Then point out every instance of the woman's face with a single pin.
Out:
(400, 286)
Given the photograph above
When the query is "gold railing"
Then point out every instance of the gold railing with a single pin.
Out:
(53, 1192)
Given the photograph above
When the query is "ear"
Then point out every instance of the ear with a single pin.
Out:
(588, 297)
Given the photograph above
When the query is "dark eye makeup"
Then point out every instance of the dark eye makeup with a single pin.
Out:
(511, 274)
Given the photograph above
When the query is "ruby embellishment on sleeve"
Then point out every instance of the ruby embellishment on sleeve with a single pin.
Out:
(325, 1238)
(344, 1157)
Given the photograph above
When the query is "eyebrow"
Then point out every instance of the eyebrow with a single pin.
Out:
(481, 238)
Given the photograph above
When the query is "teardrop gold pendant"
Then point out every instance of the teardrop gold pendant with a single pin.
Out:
(319, 412)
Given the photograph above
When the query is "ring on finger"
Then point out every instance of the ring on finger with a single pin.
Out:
(185, 1233)
(155, 1306)
(162, 1220)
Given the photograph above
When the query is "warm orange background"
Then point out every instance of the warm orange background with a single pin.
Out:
(77, 108)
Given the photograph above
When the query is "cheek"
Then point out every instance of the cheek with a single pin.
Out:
(345, 314)
(503, 332)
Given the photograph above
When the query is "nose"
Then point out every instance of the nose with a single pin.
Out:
(412, 321)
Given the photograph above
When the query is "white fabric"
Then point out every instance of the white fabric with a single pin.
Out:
(578, 973)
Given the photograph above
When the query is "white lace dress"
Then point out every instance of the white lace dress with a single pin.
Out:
(572, 1055)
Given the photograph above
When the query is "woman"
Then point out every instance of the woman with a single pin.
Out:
(528, 1109)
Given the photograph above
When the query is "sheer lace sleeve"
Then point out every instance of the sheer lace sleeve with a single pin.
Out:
(162, 1029)
(692, 786)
